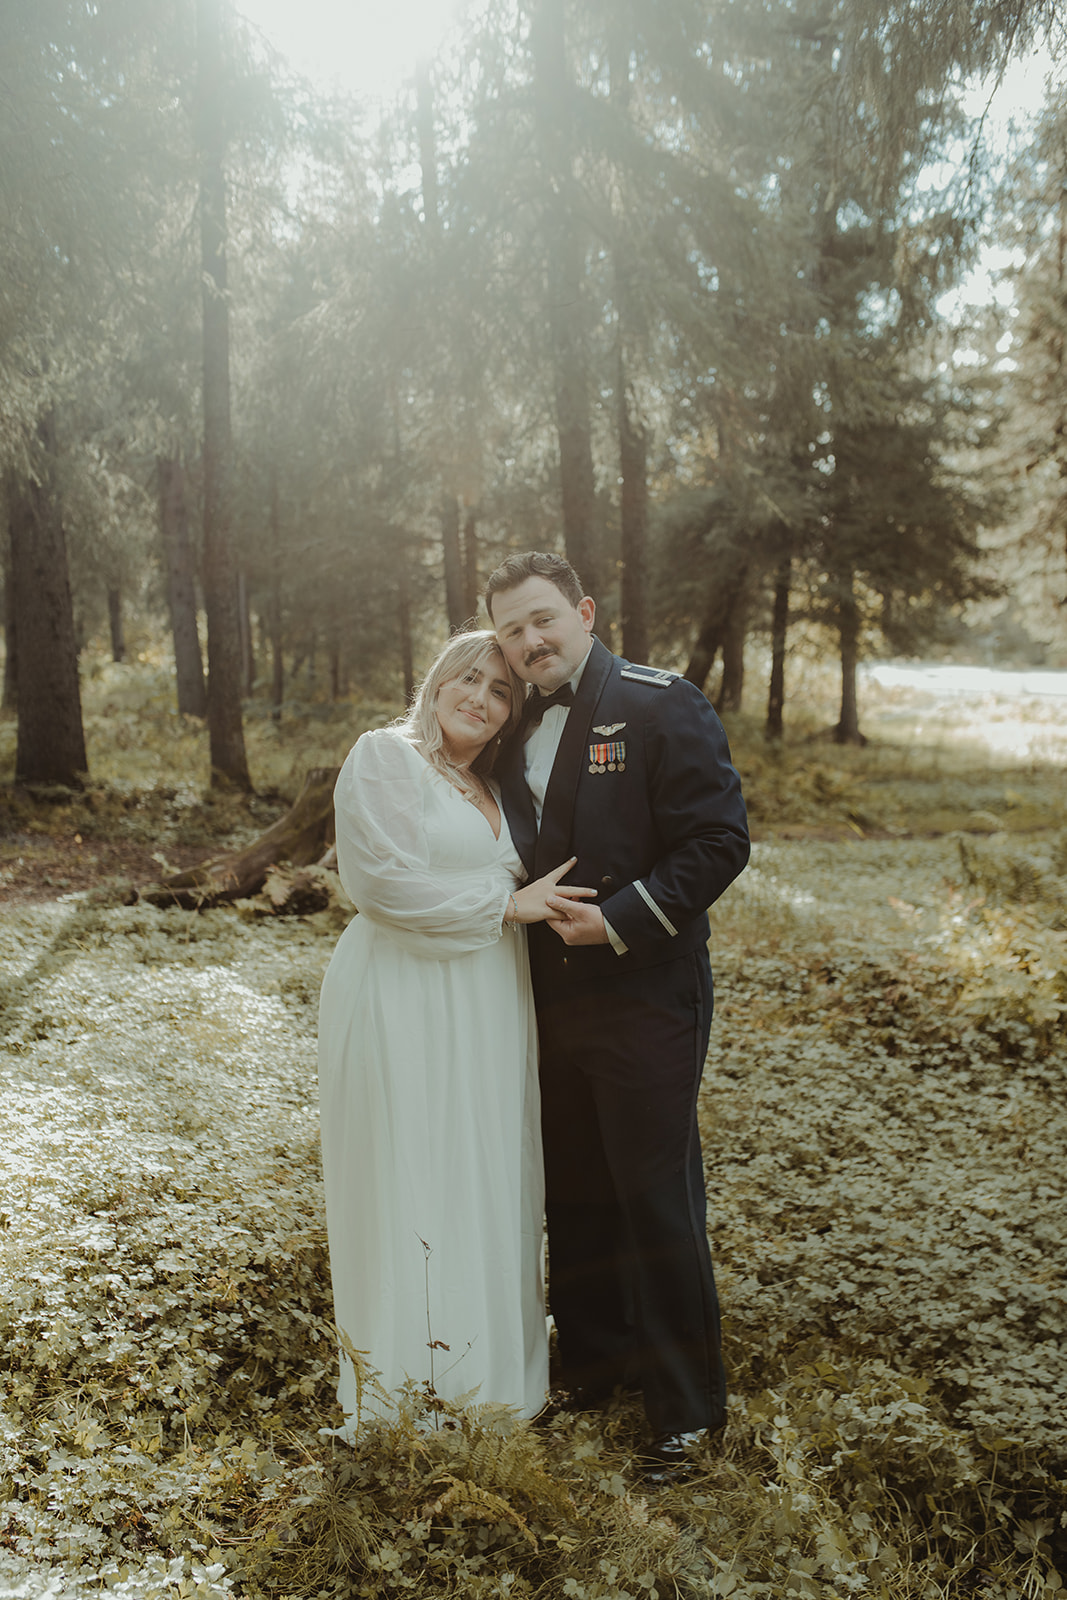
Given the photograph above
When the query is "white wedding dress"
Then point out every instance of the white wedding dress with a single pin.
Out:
(429, 1101)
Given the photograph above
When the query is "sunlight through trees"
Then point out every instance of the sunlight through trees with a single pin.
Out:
(654, 285)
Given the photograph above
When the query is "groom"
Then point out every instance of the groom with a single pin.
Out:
(628, 769)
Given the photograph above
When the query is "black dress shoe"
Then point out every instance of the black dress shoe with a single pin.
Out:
(669, 1457)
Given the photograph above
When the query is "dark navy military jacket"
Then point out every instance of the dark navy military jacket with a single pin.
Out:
(644, 794)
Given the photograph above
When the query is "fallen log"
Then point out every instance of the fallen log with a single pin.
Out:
(302, 838)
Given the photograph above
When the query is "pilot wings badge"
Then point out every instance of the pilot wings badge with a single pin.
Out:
(609, 728)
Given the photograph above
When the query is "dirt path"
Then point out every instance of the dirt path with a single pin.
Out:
(36, 867)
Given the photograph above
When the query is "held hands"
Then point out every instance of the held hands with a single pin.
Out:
(575, 923)
(540, 901)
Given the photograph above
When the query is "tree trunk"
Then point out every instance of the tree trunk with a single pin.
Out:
(633, 436)
(848, 627)
(338, 678)
(457, 610)
(633, 451)
(702, 656)
(277, 659)
(304, 657)
(553, 94)
(9, 700)
(179, 568)
(779, 627)
(274, 607)
(51, 739)
(733, 656)
(300, 838)
(229, 764)
(454, 580)
(403, 622)
(471, 590)
(246, 636)
(727, 595)
(577, 484)
(114, 618)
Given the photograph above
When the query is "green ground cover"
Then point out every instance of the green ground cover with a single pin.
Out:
(884, 1120)
(980, 765)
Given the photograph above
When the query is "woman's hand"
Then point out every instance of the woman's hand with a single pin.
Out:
(531, 902)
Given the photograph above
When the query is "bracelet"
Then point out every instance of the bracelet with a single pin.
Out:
(512, 921)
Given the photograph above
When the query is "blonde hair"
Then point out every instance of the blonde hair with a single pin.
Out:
(463, 652)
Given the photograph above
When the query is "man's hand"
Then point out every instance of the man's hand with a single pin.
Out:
(576, 923)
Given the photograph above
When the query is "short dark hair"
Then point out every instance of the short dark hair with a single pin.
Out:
(534, 564)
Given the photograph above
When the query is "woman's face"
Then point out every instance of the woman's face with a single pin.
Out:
(473, 709)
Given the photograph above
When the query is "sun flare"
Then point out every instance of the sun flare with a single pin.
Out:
(368, 49)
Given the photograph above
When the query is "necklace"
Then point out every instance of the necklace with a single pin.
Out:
(484, 798)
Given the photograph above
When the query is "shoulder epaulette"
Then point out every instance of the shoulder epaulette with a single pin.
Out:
(660, 677)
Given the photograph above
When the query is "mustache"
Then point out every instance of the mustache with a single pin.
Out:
(544, 654)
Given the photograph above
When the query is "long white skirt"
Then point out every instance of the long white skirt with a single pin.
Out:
(432, 1157)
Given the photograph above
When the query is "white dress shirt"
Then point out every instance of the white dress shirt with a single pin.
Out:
(539, 755)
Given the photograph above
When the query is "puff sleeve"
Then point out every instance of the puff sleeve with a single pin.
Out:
(383, 857)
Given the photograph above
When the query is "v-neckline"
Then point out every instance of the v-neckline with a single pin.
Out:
(499, 829)
(497, 832)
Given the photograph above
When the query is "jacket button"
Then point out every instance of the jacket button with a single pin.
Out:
(607, 882)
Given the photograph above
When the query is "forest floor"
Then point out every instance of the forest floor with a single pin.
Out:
(884, 1122)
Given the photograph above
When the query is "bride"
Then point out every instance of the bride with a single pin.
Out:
(431, 1137)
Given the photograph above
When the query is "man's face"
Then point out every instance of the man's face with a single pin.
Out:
(544, 637)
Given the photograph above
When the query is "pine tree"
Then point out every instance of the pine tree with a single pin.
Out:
(229, 764)
(75, 134)
(1033, 452)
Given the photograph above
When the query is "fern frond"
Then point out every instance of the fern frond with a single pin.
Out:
(470, 1501)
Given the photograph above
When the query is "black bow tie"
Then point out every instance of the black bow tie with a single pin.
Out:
(537, 704)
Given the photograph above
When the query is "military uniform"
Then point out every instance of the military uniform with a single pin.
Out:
(643, 793)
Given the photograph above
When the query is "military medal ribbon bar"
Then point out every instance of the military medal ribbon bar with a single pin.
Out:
(609, 757)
